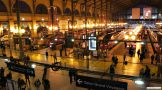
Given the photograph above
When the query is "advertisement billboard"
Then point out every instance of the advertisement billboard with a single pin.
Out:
(92, 43)
(147, 13)
(135, 13)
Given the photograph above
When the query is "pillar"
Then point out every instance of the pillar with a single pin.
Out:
(34, 29)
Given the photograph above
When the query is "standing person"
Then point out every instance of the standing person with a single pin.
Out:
(2, 72)
(113, 58)
(157, 58)
(74, 74)
(71, 76)
(138, 52)
(112, 71)
(147, 72)
(27, 79)
(152, 59)
(19, 83)
(142, 71)
(37, 84)
(45, 73)
(23, 84)
(55, 58)
(46, 84)
(125, 44)
(9, 76)
(124, 57)
(46, 54)
(141, 58)
(11, 59)
(27, 60)
(116, 60)
(3, 82)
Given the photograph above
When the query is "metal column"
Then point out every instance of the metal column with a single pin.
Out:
(52, 15)
(19, 29)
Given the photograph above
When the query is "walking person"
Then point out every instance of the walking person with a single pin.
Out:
(19, 83)
(112, 71)
(125, 44)
(152, 59)
(45, 73)
(138, 53)
(46, 84)
(157, 58)
(3, 82)
(147, 72)
(46, 54)
(116, 61)
(27, 60)
(71, 76)
(37, 84)
(9, 77)
(2, 72)
(55, 58)
(141, 58)
(124, 57)
(23, 85)
(142, 71)
(27, 79)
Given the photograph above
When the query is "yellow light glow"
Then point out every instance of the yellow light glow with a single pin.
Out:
(130, 33)
(12, 29)
(35, 27)
(126, 37)
(50, 28)
(15, 31)
(133, 37)
(70, 26)
(22, 31)
(55, 28)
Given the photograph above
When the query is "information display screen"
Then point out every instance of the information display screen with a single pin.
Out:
(147, 13)
(135, 13)
(92, 43)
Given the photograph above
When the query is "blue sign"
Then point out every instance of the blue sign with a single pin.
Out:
(92, 43)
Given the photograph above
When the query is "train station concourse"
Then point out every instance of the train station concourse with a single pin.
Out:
(80, 44)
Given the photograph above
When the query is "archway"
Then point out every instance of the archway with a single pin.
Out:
(41, 9)
(24, 7)
(58, 11)
(88, 14)
(82, 13)
(3, 8)
(76, 12)
(67, 11)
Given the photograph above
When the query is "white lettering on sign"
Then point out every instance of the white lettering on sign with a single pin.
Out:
(153, 88)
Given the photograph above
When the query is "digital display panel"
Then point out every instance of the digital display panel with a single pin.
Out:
(135, 13)
(147, 13)
(92, 43)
